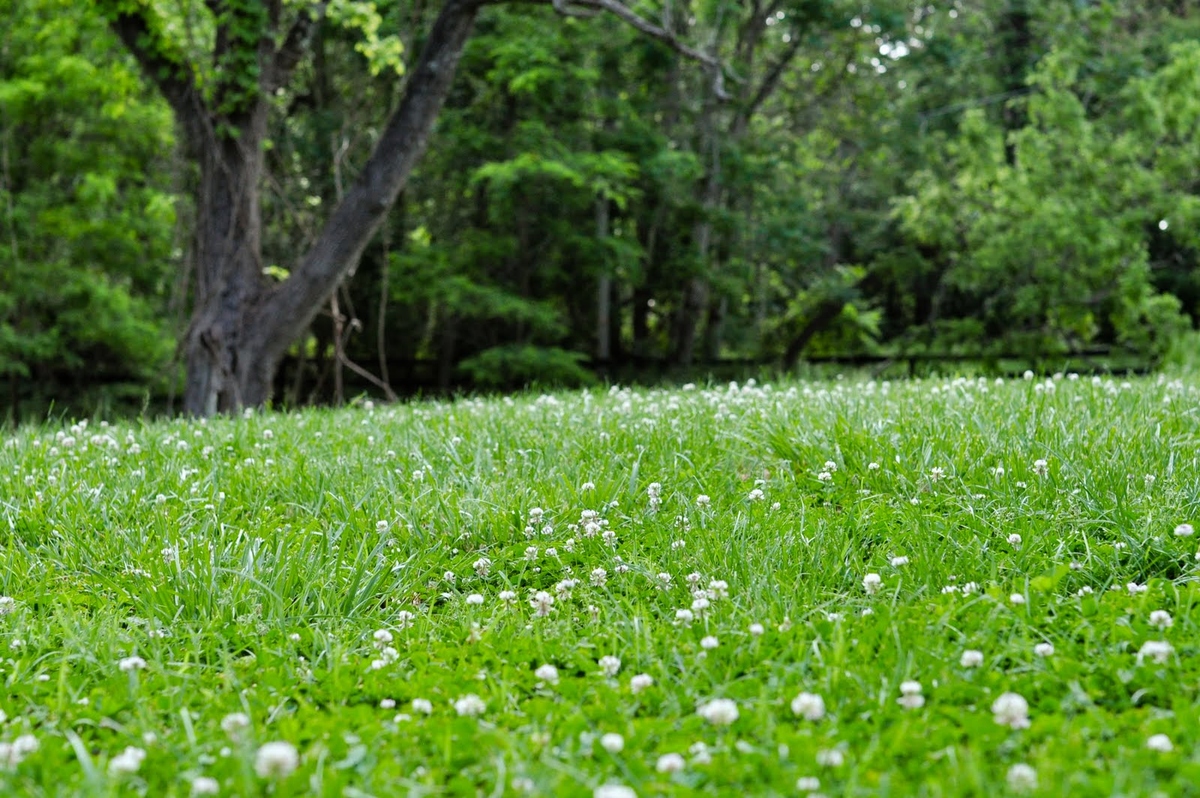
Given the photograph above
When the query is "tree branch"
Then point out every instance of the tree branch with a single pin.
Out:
(292, 305)
(293, 48)
(168, 69)
(648, 28)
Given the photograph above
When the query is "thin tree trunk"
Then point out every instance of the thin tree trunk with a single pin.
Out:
(603, 290)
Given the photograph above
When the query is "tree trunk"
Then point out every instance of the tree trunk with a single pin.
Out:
(227, 365)
(603, 290)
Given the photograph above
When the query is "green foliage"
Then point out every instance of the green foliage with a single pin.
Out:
(87, 217)
(510, 367)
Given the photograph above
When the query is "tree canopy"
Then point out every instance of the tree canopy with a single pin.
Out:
(600, 190)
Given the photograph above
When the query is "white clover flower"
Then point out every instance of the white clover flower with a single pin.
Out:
(470, 706)
(830, 758)
(808, 706)
(1158, 650)
(1162, 619)
(756, 495)
(808, 784)
(719, 711)
(404, 619)
(128, 761)
(1021, 778)
(899, 561)
(475, 599)
(1040, 467)
(757, 629)
(684, 616)
(613, 743)
(1184, 530)
(7, 604)
(276, 760)
(1014, 540)
(234, 722)
(640, 682)
(205, 785)
(1011, 710)
(482, 566)
(936, 473)
(599, 577)
(614, 791)
(422, 706)
(1017, 598)
(703, 500)
(1160, 743)
(872, 466)
(542, 603)
(387, 703)
(871, 583)
(609, 665)
(700, 754)
(547, 673)
(709, 642)
(910, 695)
(670, 763)
(508, 596)
(825, 476)
(971, 659)
(1044, 650)
(134, 663)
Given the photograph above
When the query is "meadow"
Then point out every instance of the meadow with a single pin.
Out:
(931, 588)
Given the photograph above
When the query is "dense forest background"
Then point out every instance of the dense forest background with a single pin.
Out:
(1009, 181)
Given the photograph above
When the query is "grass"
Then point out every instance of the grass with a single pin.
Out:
(193, 591)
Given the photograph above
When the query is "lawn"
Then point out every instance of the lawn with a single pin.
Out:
(950, 587)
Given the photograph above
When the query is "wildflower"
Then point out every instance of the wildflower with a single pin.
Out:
(936, 473)
(872, 466)
(234, 722)
(708, 643)
(808, 784)
(702, 500)
(547, 673)
(205, 785)
(613, 743)
(14, 753)
(542, 603)
(475, 599)
(1014, 540)
(825, 476)
(404, 619)
(599, 577)
(483, 566)
(871, 583)
(756, 495)
(670, 763)
(276, 760)
(830, 758)
(1017, 598)
(809, 706)
(1158, 650)
(614, 791)
(1184, 530)
(1021, 778)
(1044, 649)
(1011, 710)
(387, 703)
(640, 682)
(718, 589)
(134, 663)
(1162, 619)
(910, 695)
(1040, 467)
(700, 753)
(128, 761)
(756, 629)
(7, 604)
(423, 706)
(469, 706)
(684, 616)
(1160, 743)
(719, 711)
(971, 659)
(508, 596)
(610, 665)
(899, 561)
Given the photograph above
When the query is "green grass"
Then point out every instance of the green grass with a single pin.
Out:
(249, 563)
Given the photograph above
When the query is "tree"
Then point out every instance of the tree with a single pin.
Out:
(242, 324)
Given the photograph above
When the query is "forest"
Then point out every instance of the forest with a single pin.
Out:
(210, 204)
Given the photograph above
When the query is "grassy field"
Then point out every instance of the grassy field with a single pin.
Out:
(846, 588)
